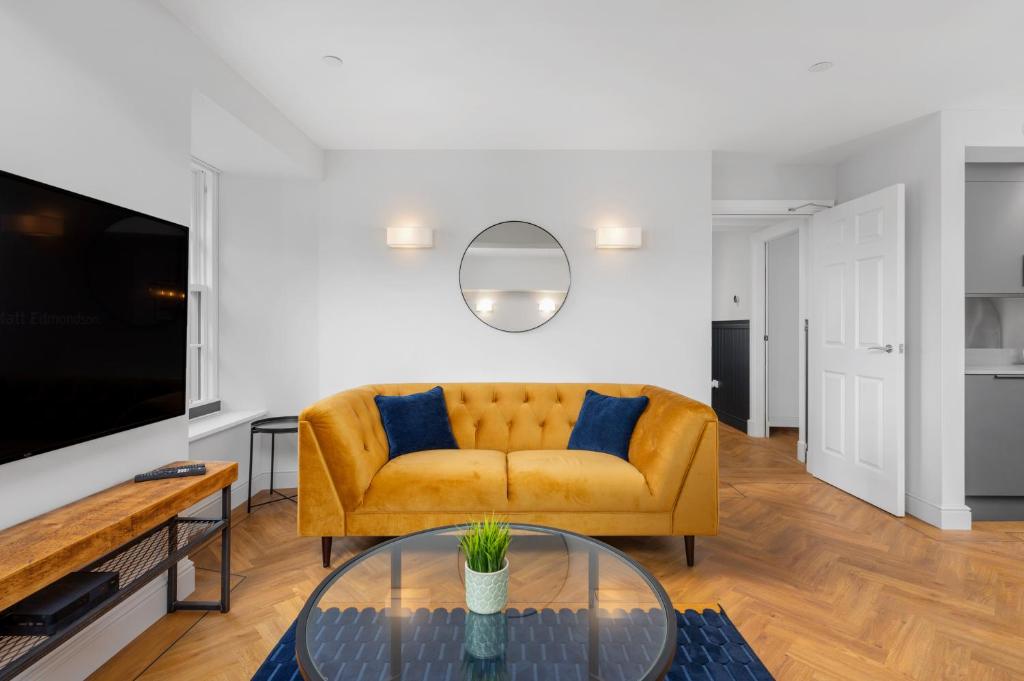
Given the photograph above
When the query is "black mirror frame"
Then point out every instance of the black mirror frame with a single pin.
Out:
(568, 266)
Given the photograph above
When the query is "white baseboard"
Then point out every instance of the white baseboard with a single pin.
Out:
(755, 429)
(784, 422)
(210, 508)
(801, 451)
(943, 517)
(85, 652)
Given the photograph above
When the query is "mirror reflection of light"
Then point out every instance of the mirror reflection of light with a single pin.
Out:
(547, 306)
(485, 305)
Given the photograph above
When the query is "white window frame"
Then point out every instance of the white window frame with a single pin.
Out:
(202, 285)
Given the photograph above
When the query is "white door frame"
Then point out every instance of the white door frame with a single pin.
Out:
(744, 214)
(757, 425)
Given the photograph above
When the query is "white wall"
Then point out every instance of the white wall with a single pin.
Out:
(631, 315)
(759, 176)
(782, 274)
(80, 115)
(730, 275)
(911, 154)
(268, 285)
(72, 117)
(98, 100)
(268, 317)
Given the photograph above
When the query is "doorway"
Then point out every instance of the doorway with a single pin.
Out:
(758, 277)
(782, 347)
(778, 350)
(851, 309)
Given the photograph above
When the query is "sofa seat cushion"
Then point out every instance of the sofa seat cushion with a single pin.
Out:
(575, 480)
(453, 480)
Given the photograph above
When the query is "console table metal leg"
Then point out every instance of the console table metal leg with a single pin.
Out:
(172, 571)
(224, 604)
(225, 550)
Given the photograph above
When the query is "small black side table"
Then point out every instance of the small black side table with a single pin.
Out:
(274, 426)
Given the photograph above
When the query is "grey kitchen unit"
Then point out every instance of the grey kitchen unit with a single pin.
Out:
(994, 446)
(994, 239)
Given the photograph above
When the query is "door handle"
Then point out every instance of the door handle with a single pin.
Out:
(883, 348)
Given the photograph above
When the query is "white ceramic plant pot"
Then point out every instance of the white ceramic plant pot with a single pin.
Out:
(486, 592)
(486, 636)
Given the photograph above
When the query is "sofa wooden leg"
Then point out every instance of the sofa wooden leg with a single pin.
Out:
(688, 541)
(325, 547)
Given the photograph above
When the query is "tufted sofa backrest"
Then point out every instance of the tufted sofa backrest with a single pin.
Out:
(512, 416)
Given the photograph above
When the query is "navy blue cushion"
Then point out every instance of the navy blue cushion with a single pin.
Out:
(415, 422)
(606, 423)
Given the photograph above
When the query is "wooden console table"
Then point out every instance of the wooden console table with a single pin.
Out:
(132, 529)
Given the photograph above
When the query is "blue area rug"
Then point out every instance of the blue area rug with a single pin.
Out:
(708, 648)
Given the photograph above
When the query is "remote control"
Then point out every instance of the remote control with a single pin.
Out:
(182, 471)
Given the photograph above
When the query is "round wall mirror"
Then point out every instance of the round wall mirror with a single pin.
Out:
(514, 276)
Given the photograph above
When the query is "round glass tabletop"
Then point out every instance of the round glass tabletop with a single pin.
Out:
(577, 609)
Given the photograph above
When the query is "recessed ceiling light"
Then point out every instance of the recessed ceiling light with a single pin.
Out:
(820, 66)
(332, 60)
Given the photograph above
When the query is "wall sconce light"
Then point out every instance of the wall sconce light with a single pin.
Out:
(547, 306)
(410, 237)
(619, 237)
(485, 305)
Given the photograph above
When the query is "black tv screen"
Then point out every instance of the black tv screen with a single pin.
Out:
(93, 318)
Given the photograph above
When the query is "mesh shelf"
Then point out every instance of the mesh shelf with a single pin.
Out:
(135, 563)
(13, 647)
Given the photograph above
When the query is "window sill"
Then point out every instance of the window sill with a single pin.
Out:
(205, 426)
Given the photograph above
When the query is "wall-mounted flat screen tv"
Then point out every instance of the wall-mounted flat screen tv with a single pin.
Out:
(93, 316)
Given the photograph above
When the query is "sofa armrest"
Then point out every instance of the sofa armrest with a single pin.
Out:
(320, 511)
(341, 447)
(667, 440)
(696, 510)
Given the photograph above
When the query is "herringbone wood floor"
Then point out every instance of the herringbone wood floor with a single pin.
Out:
(822, 585)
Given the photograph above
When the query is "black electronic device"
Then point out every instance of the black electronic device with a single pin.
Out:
(93, 317)
(182, 471)
(47, 611)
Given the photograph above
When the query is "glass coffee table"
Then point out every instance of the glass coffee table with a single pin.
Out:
(577, 609)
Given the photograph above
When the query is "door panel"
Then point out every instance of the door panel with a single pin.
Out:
(856, 348)
(833, 424)
(869, 301)
(870, 441)
(834, 326)
(730, 366)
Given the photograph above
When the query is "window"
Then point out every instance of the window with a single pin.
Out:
(203, 388)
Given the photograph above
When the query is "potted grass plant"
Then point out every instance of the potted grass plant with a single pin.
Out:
(485, 547)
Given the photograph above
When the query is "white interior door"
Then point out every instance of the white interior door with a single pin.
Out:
(856, 374)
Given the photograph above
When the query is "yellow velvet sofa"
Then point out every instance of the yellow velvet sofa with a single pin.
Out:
(512, 461)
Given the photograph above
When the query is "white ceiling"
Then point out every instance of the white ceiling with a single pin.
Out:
(614, 74)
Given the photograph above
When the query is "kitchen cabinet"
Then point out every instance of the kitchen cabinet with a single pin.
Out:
(994, 246)
(994, 430)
